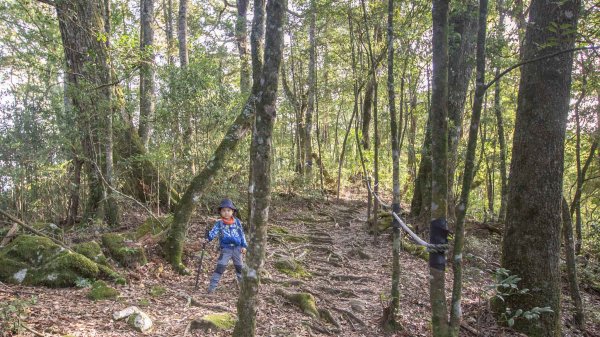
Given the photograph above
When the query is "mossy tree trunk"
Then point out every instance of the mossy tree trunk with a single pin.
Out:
(531, 242)
(469, 171)
(439, 159)
(89, 91)
(240, 127)
(390, 322)
(261, 178)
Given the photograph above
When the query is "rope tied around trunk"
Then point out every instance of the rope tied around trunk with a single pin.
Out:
(431, 247)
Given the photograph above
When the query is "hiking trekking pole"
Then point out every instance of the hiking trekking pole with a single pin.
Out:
(201, 258)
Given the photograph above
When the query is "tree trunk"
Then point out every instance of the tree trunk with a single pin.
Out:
(567, 231)
(182, 33)
(88, 74)
(147, 93)
(366, 113)
(461, 49)
(531, 243)
(391, 322)
(185, 208)
(261, 185)
(439, 161)
(461, 209)
(168, 17)
(311, 85)
(241, 37)
(74, 187)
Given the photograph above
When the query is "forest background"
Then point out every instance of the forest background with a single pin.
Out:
(180, 73)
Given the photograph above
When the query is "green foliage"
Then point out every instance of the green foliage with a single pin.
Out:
(506, 286)
(157, 291)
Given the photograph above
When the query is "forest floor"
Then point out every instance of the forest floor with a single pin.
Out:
(325, 236)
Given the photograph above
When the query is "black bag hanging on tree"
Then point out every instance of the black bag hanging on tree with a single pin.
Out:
(438, 234)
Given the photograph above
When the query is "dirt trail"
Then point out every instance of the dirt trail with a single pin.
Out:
(350, 276)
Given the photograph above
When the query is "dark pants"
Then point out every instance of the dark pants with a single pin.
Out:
(227, 253)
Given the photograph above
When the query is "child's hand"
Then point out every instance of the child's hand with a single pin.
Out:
(243, 251)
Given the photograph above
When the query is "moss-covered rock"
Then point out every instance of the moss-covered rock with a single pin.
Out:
(92, 251)
(101, 291)
(305, 301)
(219, 321)
(124, 251)
(291, 268)
(35, 260)
(153, 227)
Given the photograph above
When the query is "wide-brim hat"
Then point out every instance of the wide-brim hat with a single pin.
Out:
(227, 203)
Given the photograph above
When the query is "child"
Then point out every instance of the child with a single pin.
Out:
(231, 241)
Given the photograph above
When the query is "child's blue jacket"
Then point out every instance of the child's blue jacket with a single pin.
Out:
(229, 235)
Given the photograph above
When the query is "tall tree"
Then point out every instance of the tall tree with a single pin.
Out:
(461, 208)
(238, 129)
(312, 66)
(182, 33)
(147, 94)
(261, 162)
(499, 119)
(390, 322)
(88, 75)
(241, 38)
(461, 48)
(439, 164)
(531, 242)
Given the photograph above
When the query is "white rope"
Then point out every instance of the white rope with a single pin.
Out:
(438, 248)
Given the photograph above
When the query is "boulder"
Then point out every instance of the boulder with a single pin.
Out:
(136, 318)
(36, 260)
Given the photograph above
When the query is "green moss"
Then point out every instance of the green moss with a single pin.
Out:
(415, 250)
(34, 260)
(306, 302)
(151, 226)
(123, 251)
(106, 272)
(144, 302)
(101, 291)
(92, 251)
(156, 291)
(221, 321)
(65, 269)
(278, 230)
(291, 268)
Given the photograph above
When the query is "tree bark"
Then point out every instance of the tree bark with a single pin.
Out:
(311, 86)
(147, 94)
(531, 242)
(391, 322)
(240, 127)
(439, 159)
(461, 49)
(88, 73)
(168, 17)
(182, 33)
(261, 179)
(241, 37)
(461, 209)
